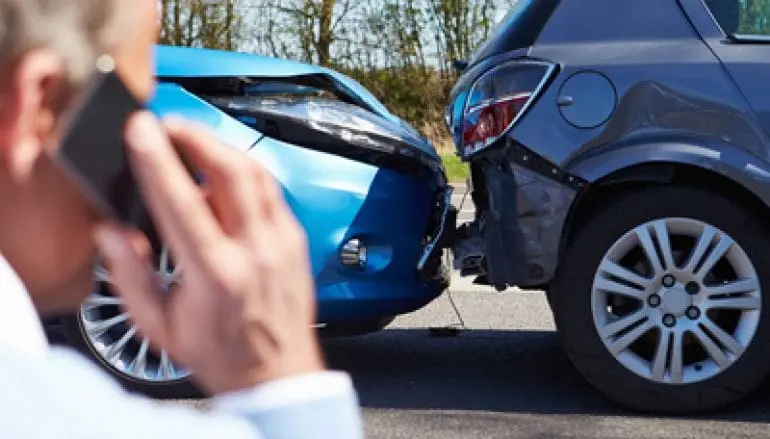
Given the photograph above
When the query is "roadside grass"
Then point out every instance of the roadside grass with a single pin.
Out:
(457, 171)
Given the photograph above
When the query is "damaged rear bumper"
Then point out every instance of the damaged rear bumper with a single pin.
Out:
(522, 203)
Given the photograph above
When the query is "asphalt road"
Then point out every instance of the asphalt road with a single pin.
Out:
(503, 376)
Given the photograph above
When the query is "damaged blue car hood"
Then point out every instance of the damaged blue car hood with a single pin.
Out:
(193, 62)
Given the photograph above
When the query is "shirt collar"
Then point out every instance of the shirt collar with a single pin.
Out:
(20, 326)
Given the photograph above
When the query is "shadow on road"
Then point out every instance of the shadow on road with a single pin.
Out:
(495, 371)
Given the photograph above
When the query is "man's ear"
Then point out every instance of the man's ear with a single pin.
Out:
(33, 103)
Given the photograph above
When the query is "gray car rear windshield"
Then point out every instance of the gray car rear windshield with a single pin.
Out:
(742, 19)
(518, 29)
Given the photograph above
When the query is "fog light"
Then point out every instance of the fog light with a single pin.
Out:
(353, 254)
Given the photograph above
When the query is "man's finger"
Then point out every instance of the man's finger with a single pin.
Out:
(235, 190)
(134, 279)
(272, 197)
(177, 206)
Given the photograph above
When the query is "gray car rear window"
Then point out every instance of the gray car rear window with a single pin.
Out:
(742, 17)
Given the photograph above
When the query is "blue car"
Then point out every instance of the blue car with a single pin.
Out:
(370, 191)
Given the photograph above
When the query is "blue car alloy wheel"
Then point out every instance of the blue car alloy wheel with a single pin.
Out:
(370, 191)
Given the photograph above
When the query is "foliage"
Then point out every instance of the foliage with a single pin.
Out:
(755, 17)
(402, 50)
(200, 23)
(456, 170)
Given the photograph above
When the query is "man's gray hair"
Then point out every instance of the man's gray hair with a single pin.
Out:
(77, 30)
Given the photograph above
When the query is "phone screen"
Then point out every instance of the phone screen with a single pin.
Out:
(93, 152)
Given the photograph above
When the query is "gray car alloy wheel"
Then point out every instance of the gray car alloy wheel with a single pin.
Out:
(107, 328)
(676, 301)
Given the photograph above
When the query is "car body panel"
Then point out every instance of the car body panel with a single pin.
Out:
(337, 199)
(746, 62)
(675, 103)
(334, 197)
(173, 100)
(194, 62)
(679, 85)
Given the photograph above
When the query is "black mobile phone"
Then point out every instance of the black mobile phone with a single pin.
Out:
(93, 150)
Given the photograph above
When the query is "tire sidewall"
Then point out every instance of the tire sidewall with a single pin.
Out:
(572, 291)
(180, 389)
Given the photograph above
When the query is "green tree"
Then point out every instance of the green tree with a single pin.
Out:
(199, 23)
(755, 17)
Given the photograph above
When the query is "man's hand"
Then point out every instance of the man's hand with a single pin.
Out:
(243, 311)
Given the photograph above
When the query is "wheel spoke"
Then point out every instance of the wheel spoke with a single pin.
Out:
(623, 273)
(97, 329)
(741, 303)
(727, 340)
(664, 242)
(712, 349)
(622, 324)
(612, 287)
(661, 356)
(622, 343)
(677, 358)
(699, 252)
(116, 349)
(740, 286)
(102, 275)
(645, 240)
(166, 367)
(720, 250)
(97, 300)
(139, 365)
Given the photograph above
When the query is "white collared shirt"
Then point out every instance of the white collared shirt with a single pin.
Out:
(51, 392)
(20, 328)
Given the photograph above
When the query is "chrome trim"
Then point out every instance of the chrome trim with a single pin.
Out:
(429, 247)
(490, 102)
(550, 70)
(749, 39)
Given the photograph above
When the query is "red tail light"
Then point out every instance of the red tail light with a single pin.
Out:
(487, 122)
(498, 99)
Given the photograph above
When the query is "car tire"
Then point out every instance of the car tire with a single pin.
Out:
(180, 389)
(585, 323)
(103, 331)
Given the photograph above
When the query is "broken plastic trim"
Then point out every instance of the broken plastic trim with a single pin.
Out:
(523, 206)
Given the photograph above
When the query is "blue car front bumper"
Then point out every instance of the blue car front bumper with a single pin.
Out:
(347, 173)
(403, 219)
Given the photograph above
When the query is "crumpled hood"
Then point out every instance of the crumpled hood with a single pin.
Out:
(334, 126)
(181, 62)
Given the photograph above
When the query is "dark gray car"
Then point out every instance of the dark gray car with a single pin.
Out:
(620, 157)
